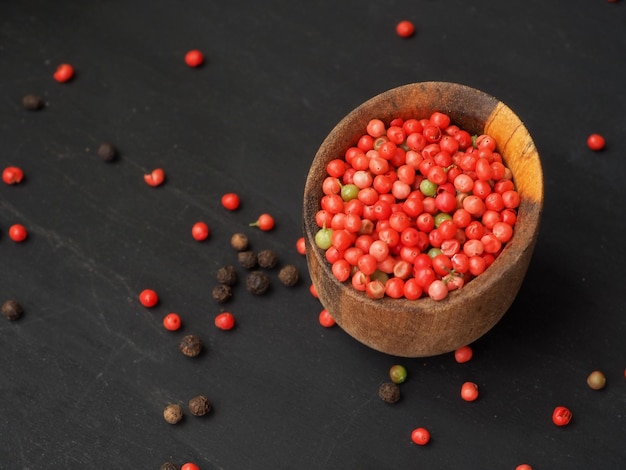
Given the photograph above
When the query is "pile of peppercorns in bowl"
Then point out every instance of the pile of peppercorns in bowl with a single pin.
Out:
(455, 312)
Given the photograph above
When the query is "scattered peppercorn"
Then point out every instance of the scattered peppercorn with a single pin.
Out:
(267, 259)
(32, 102)
(12, 175)
(194, 58)
(63, 73)
(289, 275)
(11, 310)
(155, 178)
(148, 298)
(199, 406)
(222, 293)
(107, 152)
(596, 380)
(190, 345)
(173, 413)
(257, 282)
(398, 374)
(420, 436)
(189, 466)
(389, 392)
(405, 29)
(168, 466)
(247, 259)
(265, 222)
(227, 275)
(239, 241)
(18, 233)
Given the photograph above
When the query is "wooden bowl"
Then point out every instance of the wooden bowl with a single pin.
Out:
(425, 327)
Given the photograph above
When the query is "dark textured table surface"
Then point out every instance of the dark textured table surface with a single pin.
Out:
(86, 372)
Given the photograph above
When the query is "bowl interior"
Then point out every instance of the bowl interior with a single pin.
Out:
(426, 327)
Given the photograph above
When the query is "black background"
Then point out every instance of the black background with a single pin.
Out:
(86, 372)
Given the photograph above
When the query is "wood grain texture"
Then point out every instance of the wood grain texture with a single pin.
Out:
(425, 327)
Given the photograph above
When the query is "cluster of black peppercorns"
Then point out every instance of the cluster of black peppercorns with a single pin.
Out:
(197, 406)
(257, 263)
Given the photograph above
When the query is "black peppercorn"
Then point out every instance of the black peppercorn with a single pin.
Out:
(173, 413)
(289, 275)
(11, 310)
(32, 102)
(222, 293)
(389, 392)
(267, 259)
(239, 241)
(190, 345)
(227, 275)
(107, 152)
(257, 282)
(199, 406)
(168, 466)
(247, 259)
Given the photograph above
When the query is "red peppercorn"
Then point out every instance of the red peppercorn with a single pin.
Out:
(561, 416)
(523, 466)
(194, 58)
(18, 233)
(325, 319)
(12, 175)
(265, 222)
(595, 142)
(155, 178)
(463, 214)
(420, 436)
(148, 298)
(230, 201)
(463, 354)
(469, 391)
(189, 466)
(63, 73)
(172, 322)
(200, 231)
(225, 321)
(405, 29)
(300, 246)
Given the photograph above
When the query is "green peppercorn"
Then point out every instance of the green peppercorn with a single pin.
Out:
(397, 374)
(596, 380)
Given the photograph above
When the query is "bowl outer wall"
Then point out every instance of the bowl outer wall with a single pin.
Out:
(426, 327)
